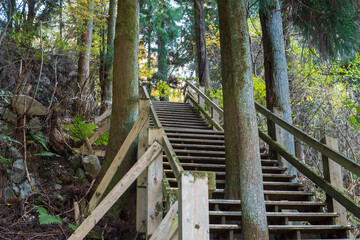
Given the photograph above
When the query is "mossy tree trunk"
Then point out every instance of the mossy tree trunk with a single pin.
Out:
(125, 99)
(243, 164)
(106, 85)
(83, 80)
(200, 30)
(275, 64)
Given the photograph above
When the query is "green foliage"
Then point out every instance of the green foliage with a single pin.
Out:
(5, 160)
(219, 95)
(259, 90)
(47, 154)
(45, 218)
(354, 119)
(80, 130)
(103, 140)
(40, 138)
(163, 89)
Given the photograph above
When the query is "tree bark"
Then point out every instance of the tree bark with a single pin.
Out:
(83, 80)
(276, 75)
(202, 61)
(106, 86)
(243, 164)
(125, 99)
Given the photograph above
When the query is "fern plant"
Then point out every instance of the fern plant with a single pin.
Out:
(45, 217)
(80, 130)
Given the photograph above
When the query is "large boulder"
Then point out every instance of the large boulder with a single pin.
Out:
(91, 165)
(22, 102)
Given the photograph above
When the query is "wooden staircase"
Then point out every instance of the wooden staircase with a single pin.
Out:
(292, 213)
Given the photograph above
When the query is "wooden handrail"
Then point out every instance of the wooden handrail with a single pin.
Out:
(203, 111)
(338, 157)
(169, 151)
(118, 190)
(206, 98)
(344, 200)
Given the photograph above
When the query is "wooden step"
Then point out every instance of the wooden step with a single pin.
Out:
(272, 206)
(162, 119)
(272, 228)
(210, 167)
(206, 132)
(181, 123)
(276, 216)
(198, 146)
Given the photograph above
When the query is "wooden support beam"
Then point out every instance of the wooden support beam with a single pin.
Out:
(144, 105)
(103, 116)
(333, 174)
(166, 228)
(154, 203)
(117, 160)
(193, 206)
(151, 154)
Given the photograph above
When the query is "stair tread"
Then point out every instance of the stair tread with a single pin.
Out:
(286, 227)
(227, 201)
(277, 214)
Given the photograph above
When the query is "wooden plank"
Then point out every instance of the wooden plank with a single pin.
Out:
(171, 157)
(99, 133)
(206, 114)
(333, 174)
(144, 105)
(206, 98)
(117, 160)
(341, 197)
(164, 229)
(193, 206)
(103, 116)
(154, 203)
(338, 157)
(151, 154)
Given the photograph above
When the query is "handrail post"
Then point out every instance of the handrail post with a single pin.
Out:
(201, 101)
(216, 115)
(279, 134)
(144, 104)
(333, 174)
(193, 206)
(154, 194)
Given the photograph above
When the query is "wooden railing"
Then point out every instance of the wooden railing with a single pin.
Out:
(328, 153)
(191, 199)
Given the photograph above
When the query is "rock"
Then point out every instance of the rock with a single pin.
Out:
(73, 74)
(7, 129)
(75, 161)
(57, 186)
(80, 173)
(35, 125)
(9, 116)
(91, 165)
(9, 194)
(22, 101)
(18, 171)
(15, 154)
(2, 110)
(15, 189)
(2, 123)
(25, 189)
(62, 79)
(45, 80)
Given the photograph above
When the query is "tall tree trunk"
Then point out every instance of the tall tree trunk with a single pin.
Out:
(83, 80)
(276, 75)
(31, 10)
(243, 164)
(162, 54)
(106, 85)
(61, 20)
(125, 98)
(203, 64)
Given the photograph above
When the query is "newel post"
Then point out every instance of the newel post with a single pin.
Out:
(194, 204)
(333, 174)
(154, 195)
(144, 104)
